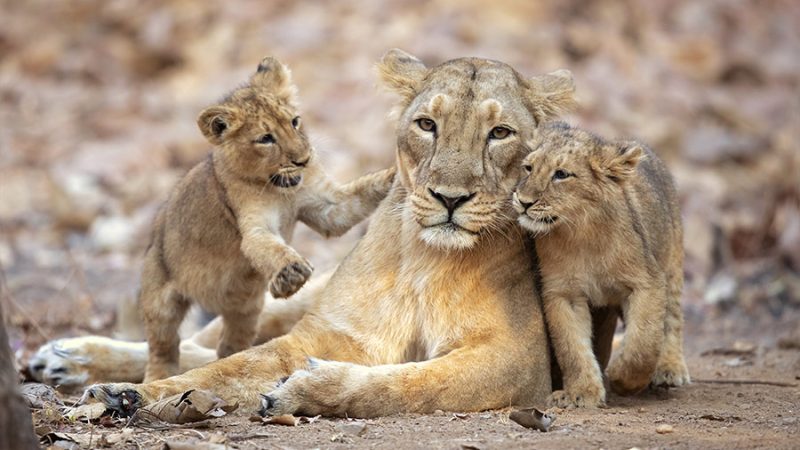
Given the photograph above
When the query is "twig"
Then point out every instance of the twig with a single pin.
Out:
(757, 382)
(243, 437)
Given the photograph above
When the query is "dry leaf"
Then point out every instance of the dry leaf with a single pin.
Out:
(191, 406)
(533, 418)
(88, 412)
(39, 395)
(286, 419)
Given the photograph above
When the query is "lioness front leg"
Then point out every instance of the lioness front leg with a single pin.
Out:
(446, 383)
(242, 377)
(643, 312)
(569, 321)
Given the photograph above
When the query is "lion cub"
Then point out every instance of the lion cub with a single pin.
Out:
(608, 233)
(221, 237)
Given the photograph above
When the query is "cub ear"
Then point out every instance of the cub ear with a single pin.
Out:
(401, 73)
(275, 77)
(618, 162)
(552, 95)
(218, 122)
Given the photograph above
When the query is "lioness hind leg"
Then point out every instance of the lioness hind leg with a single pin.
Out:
(163, 310)
(644, 312)
(671, 370)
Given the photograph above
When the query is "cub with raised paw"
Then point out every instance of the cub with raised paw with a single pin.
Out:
(608, 233)
(221, 239)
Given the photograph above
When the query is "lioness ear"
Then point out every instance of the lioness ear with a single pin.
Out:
(402, 73)
(218, 122)
(619, 161)
(552, 94)
(275, 77)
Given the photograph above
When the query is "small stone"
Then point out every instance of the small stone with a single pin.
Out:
(664, 429)
(352, 428)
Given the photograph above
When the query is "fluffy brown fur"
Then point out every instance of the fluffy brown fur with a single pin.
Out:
(608, 233)
(221, 239)
(435, 308)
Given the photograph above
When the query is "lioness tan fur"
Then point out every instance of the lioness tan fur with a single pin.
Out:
(221, 239)
(608, 233)
(436, 307)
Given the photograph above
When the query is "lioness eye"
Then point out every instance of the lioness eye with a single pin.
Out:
(296, 122)
(427, 125)
(560, 174)
(266, 139)
(528, 168)
(499, 133)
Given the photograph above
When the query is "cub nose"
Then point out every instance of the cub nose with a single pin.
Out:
(526, 205)
(451, 203)
(301, 163)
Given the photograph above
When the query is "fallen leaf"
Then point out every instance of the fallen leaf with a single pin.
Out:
(87, 412)
(286, 419)
(192, 445)
(191, 406)
(39, 395)
(533, 418)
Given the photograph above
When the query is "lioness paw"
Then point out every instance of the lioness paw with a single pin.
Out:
(589, 398)
(317, 390)
(124, 398)
(290, 278)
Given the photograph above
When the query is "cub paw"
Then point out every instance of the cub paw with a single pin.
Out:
(123, 398)
(672, 374)
(290, 279)
(586, 398)
(626, 381)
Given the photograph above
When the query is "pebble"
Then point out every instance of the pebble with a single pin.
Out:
(664, 429)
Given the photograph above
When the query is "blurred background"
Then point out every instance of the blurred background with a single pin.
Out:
(98, 101)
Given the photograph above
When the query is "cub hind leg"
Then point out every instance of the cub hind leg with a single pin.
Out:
(163, 310)
(671, 370)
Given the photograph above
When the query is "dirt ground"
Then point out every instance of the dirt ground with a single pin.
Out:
(706, 414)
(98, 101)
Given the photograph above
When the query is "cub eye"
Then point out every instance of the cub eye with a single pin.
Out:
(427, 125)
(296, 122)
(499, 133)
(266, 139)
(528, 168)
(561, 174)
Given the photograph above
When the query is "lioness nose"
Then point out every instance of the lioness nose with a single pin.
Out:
(451, 203)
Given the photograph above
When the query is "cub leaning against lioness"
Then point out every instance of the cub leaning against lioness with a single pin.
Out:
(221, 237)
(608, 233)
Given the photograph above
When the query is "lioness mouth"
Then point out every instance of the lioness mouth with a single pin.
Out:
(548, 220)
(286, 181)
(450, 226)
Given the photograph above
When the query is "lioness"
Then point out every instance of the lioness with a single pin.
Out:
(221, 239)
(435, 308)
(608, 233)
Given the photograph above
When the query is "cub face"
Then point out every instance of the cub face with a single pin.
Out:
(570, 173)
(461, 132)
(258, 128)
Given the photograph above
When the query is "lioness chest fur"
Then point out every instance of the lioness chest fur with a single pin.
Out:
(608, 233)
(221, 239)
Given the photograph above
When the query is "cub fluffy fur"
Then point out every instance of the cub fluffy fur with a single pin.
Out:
(608, 233)
(221, 237)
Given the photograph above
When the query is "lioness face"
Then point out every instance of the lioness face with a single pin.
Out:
(462, 130)
(568, 175)
(259, 127)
